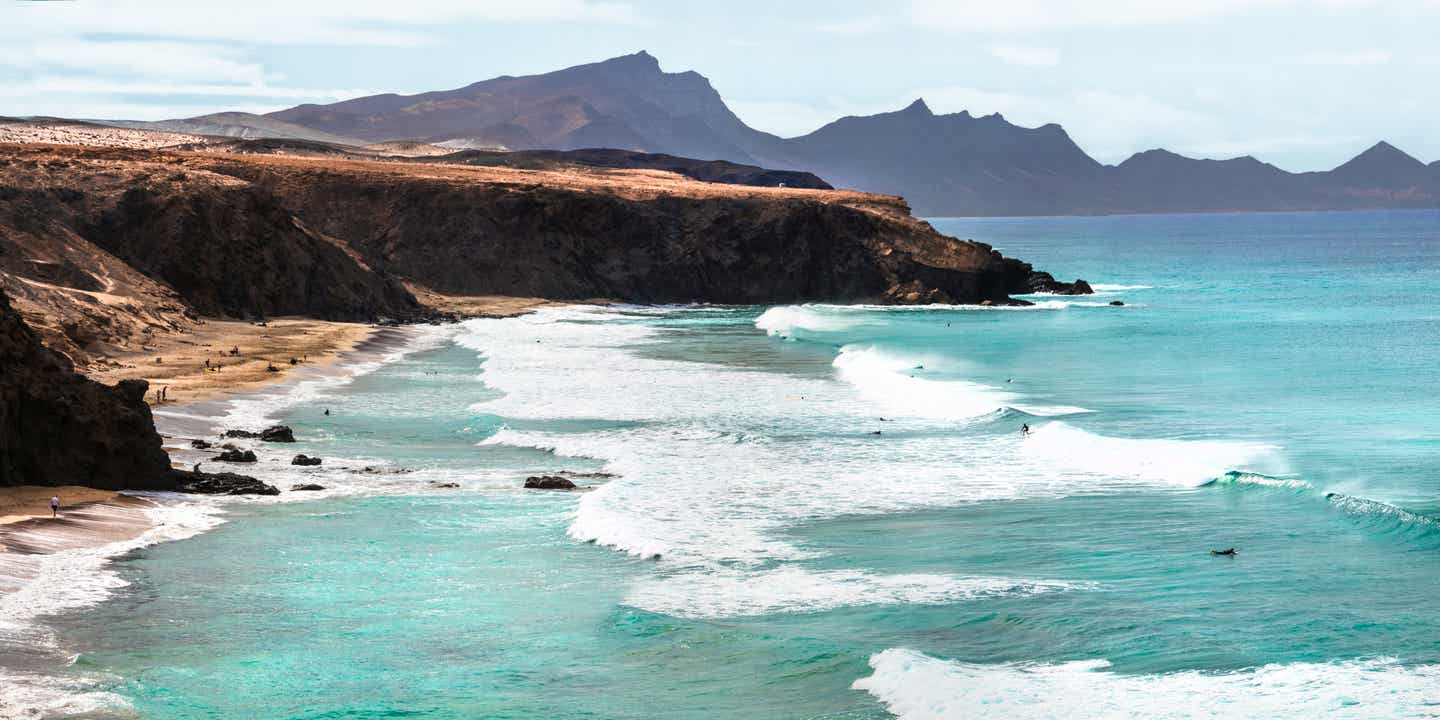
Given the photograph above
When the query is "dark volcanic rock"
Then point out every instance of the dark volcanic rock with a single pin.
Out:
(274, 433)
(237, 456)
(199, 444)
(1116, 303)
(445, 485)
(307, 487)
(303, 459)
(1044, 282)
(548, 482)
(224, 483)
(234, 250)
(60, 428)
(277, 433)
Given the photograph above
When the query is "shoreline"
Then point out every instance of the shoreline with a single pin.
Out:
(60, 565)
(197, 365)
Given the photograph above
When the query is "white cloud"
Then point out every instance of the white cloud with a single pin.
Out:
(1026, 55)
(153, 60)
(1347, 57)
(317, 22)
(1050, 14)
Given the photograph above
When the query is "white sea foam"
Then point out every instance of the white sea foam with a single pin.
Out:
(914, 686)
(732, 593)
(899, 385)
(785, 320)
(1188, 463)
(77, 578)
(68, 580)
(716, 462)
(27, 696)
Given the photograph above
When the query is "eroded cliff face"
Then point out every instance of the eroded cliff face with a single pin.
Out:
(223, 246)
(59, 428)
(634, 236)
(332, 238)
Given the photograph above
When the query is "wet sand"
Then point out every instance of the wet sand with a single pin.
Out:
(32, 501)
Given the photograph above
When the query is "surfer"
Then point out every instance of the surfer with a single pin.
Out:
(1025, 430)
(1226, 551)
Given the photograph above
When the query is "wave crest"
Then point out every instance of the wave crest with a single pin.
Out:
(914, 686)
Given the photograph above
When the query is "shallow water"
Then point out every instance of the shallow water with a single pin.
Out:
(764, 554)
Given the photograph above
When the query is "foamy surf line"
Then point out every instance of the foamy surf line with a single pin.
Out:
(707, 459)
(61, 572)
(914, 686)
(78, 575)
(896, 383)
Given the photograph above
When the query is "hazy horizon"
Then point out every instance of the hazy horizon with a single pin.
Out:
(1302, 84)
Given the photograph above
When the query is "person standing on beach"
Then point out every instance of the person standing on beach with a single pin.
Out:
(55, 506)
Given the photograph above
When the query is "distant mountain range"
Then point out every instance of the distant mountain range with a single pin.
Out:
(953, 164)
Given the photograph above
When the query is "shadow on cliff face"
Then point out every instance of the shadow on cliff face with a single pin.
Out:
(560, 243)
(59, 428)
(235, 251)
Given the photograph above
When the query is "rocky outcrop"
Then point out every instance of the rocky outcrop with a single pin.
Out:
(306, 460)
(247, 235)
(59, 428)
(237, 456)
(274, 433)
(277, 434)
(680, 242)
(548, 482)
(306, 487)
(220, 484)
(223, 247)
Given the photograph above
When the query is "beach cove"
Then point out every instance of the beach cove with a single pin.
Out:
(828, 511)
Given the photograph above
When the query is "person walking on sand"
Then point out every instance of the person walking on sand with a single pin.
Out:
(55, 506)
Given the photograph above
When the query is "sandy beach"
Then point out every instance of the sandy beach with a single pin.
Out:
(178, 363)
(31, 501)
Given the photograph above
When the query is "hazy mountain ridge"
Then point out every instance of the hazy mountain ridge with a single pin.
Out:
(953, 164)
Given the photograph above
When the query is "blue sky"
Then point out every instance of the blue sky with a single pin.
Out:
(1305, 84)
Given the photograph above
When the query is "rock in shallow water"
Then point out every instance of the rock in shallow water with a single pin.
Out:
(303, 459)
(274, 433)
(224, 483)
(237, 456)
(307, 487)
(277, 433)
(548, 482)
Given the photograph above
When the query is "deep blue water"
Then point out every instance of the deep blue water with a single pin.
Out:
(1269, 385)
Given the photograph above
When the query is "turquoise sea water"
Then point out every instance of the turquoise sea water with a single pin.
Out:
(1269, 385)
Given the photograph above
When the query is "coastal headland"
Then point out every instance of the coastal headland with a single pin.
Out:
(167, 269)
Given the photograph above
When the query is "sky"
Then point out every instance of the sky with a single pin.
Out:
(1304, 84)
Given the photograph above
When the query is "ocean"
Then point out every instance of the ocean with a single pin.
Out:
(826, 511)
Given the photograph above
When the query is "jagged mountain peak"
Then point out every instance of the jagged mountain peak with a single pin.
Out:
(919, 107)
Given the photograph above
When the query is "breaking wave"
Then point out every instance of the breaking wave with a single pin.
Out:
(914, 686)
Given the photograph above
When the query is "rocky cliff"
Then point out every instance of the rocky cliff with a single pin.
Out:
(633, 236)
(222, 246)
(332, 238)
(59, 428)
